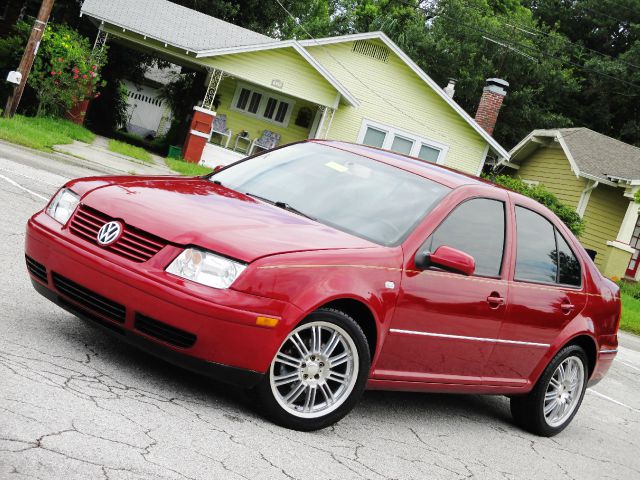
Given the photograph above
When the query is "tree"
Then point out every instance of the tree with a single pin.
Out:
(604, 38)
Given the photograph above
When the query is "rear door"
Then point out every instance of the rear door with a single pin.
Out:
(547, 292)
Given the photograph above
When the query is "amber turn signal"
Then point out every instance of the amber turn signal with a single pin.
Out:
(267, 322)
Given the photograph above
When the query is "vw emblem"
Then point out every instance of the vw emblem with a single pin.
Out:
(109, 233)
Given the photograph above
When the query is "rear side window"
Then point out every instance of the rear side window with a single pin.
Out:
(475, 227)
(569, 272)
(543, 255)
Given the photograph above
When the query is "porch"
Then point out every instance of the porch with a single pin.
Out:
(245, 111)
(252, 89)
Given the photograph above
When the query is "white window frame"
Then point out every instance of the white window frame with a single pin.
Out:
(266, 94)
(418, 141)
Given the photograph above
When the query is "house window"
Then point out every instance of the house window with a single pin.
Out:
(262, 104)
(374, 137)
(382, 136)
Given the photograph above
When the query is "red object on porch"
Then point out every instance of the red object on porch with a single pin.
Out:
(199, 134)
(78, 112)
(634, 263)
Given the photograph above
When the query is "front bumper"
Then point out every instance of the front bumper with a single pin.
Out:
(202, 329)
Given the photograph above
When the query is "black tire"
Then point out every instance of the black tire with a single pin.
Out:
(278, 414)
(528, 410)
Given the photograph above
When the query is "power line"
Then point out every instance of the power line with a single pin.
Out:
(536, 51)
(531, 49)
(602, 13)
(526, 29)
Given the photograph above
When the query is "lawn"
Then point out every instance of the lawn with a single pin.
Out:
(42, 133)
(630, 313)
(187, 168)
(130, 151)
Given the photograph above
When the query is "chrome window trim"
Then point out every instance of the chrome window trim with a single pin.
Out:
(462, 337)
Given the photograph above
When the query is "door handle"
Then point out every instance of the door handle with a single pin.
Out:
(495, 300)
(567, 307)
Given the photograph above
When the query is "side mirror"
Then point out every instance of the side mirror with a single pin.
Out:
(446, 258)
(218, 168)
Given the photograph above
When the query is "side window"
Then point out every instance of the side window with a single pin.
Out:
(570, 273)
(543, 255)
(476, 227)
(536, 258)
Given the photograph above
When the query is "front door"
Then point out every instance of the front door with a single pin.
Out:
(632, 269)
(445, 323)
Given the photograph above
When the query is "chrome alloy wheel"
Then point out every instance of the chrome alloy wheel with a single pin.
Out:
(315, 370)
(563, 391)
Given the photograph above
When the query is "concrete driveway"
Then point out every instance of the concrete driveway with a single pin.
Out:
(77, 404)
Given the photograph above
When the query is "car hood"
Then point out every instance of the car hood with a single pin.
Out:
(199, 212)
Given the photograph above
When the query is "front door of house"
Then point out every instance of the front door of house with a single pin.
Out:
(635, 260)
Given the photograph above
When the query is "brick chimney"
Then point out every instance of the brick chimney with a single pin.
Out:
(490, 103)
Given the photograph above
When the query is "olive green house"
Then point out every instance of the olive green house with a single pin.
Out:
(360, 88)
(599, 177)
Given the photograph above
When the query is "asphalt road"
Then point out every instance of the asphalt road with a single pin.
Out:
(77, 404)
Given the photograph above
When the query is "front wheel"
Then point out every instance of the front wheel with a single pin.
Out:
(556, 398)
(319, 372)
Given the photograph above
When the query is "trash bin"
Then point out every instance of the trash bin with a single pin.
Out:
(175, 152)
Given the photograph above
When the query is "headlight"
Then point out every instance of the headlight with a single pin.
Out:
(206, 268)
(62, 206)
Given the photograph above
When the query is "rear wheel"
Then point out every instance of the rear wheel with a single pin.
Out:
(319, 372)
(556, 398)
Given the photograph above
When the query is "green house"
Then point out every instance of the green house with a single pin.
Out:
(599, 177)
(359, 88)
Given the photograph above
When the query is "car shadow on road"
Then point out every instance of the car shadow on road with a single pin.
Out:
(156, 375)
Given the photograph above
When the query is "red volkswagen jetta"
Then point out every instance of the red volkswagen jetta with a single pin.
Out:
(319, 269)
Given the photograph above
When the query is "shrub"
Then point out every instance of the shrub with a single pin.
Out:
(539, 193)
(65, 71)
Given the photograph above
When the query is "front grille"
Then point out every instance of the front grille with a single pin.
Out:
(134, 244)
(87, 298)
(36, 269)
(162, 331)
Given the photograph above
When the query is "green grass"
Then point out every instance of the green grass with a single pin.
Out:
(187, 168)
(130, 151)
(42, 133)
(630, 313)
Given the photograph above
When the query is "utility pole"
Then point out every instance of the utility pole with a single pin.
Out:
(28, 57)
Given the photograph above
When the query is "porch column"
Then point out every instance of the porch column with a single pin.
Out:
(629, 222)
(101, 41)
(325, 122)
(202, 122)
(615, 263)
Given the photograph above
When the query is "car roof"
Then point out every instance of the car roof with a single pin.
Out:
(444, 175)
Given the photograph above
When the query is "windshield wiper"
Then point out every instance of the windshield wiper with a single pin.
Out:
(282, 205)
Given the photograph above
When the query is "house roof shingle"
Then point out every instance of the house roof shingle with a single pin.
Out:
(173, 24)
(602, 156)
(592, 154)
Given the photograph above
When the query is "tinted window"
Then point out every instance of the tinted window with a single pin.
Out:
(476, 227)
(569, 266)
(349, 192)
(536, 259)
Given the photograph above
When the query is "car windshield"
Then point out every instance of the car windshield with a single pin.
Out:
(349, 192)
